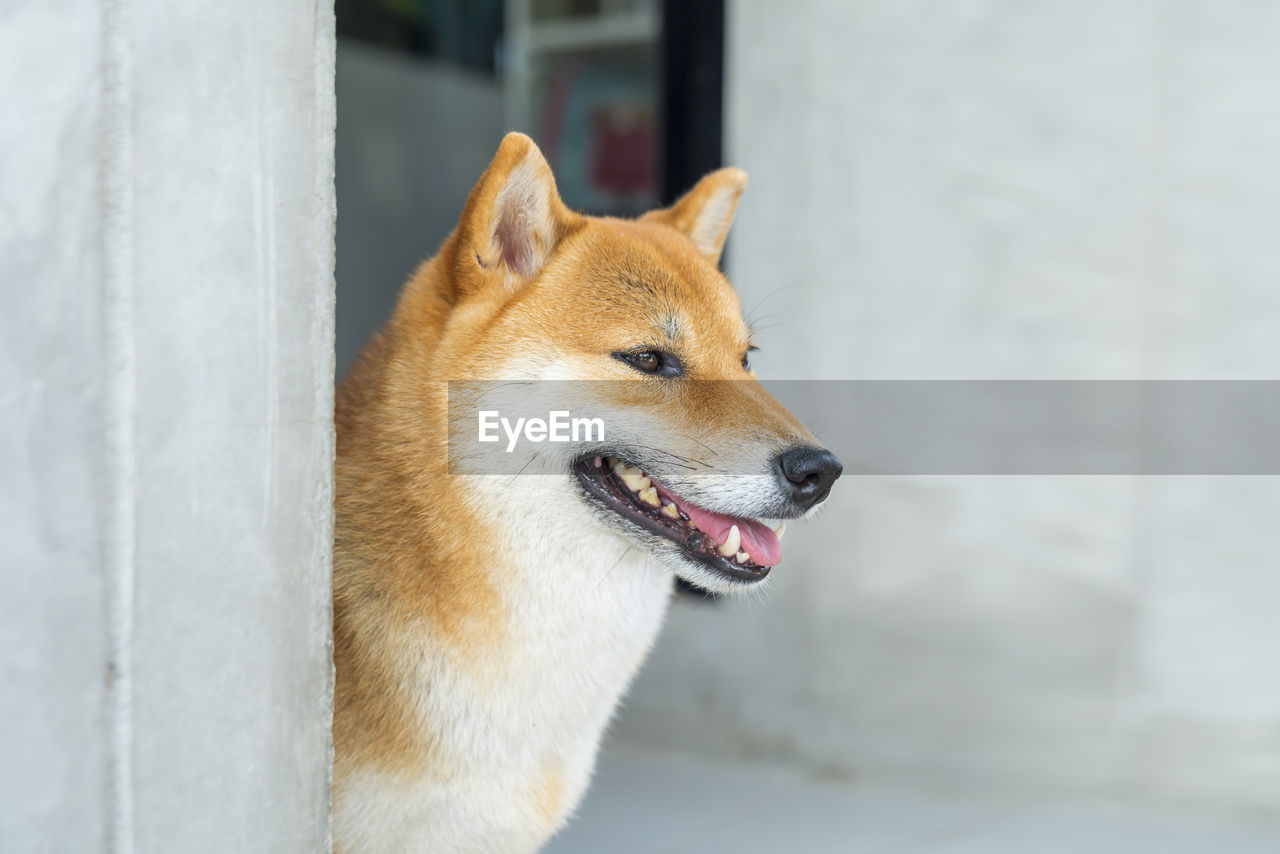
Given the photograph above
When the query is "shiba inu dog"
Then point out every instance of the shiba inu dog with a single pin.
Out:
(486, 627)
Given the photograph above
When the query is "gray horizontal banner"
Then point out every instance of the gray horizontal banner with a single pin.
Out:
(885, 427)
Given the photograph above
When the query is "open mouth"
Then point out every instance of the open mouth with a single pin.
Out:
(742, 549)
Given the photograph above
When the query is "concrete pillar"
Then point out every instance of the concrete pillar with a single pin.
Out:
(166, 370)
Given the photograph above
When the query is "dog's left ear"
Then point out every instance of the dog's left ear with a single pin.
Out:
(705, 213)
(514, 218)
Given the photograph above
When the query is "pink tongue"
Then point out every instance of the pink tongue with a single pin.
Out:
(758, 540)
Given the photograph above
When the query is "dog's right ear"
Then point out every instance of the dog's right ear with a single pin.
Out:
(514, 218)
(705, 213)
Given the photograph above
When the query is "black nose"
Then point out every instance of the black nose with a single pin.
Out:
(807, 473)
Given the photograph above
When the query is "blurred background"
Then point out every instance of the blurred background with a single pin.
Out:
(943, 190)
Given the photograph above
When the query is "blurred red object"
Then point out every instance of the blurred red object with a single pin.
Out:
(622, 150)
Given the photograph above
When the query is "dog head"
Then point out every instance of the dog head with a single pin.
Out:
(699, 461)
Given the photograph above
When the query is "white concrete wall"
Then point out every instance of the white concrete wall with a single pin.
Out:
(1005, 190)
(166, 365)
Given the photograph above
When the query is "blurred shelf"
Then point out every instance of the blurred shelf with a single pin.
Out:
(591, 33)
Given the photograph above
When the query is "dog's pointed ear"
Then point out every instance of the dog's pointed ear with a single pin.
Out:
(705, 213)
(514, 218)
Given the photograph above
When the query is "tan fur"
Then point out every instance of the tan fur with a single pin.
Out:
(549, 796)
(422, 587)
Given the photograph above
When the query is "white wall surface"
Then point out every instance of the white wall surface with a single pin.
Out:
(1080, 190)
(166, 369)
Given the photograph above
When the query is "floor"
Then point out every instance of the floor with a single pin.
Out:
(643, 803)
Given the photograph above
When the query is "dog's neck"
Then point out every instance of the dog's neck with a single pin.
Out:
(485, 627)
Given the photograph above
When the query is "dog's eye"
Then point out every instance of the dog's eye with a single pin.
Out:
(646, 360)
(652, 362)
(746, 358)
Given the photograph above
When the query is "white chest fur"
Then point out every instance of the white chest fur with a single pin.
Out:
(520, 733)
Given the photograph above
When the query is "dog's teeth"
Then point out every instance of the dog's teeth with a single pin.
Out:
(650, 496)
(731, 542)
(742, 557)
(627, 472)
(780, 530)
(671, 511)
(635, 480)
